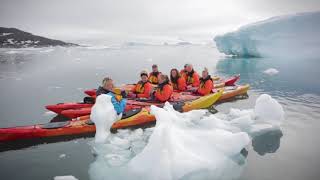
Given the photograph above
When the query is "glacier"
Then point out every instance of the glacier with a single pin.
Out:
(295, 35)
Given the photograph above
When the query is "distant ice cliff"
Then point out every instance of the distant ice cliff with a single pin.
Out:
(294, 35)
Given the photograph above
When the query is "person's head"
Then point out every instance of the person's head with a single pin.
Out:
(205, 73)
(154, 68)
(107, 83)
(163, 78)
(189, 68)
(144, 76)
(185, 67)
(174, 73)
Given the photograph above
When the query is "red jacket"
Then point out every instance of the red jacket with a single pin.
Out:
(163, 92)
(143, 90)
(180, 85)
(206, 86)
(193, 79)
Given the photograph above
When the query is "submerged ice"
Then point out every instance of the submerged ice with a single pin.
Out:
(295, 35)
(192, 145)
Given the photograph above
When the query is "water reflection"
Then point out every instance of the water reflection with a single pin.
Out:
(267, 142)
(289, 82)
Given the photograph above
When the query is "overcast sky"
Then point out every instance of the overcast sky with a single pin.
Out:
(144, 19)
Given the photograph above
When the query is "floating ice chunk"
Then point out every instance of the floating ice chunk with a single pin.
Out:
(271, 71)
(244, 122)
(268, 110)
(103, 115)
(121, 143)
(69, 177)
(62, 156)
(182, 150)
(49, 113)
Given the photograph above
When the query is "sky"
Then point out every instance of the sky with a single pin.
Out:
(141, 20)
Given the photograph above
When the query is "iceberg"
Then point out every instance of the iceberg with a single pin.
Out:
(192, 145)
(271, 71)
(296, 35)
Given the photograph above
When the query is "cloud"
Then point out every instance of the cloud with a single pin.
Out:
(80, 19)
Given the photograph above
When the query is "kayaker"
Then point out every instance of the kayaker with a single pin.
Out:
(154, 75)
(164, 90)
(143, 88)
(118, 97)
(178, 83)
(183, 71)
(206, 83)
(192, 78)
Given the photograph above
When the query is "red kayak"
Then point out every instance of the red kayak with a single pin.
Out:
(229, 82)
(58, 108)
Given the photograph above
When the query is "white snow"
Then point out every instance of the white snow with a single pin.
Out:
(69, 177)
(296, 35)
(103, 115)
(5, 34)
(193, 145)
(11, 41)
(271, 71)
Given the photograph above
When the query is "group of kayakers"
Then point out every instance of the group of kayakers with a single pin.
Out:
(158, 86)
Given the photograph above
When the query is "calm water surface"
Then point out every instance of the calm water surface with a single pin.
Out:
(33, 78)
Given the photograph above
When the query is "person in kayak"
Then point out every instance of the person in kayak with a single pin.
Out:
(192, 77)
(143, 88)
(164, 90)
(177, 81)
(153, 76)
(183, 71)
(206, 83)
(118, 97)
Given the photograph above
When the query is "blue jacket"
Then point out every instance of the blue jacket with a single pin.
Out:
(119, 106)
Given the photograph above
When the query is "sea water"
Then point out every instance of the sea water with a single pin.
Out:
(33, 78)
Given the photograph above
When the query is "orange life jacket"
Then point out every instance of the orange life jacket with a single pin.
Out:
(142, 89)
(153, 77)
(193, 79)
(163, 92)
(179, 84)
(206, 86)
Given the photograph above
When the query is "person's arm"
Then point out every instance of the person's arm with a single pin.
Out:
(165, 94)
(98, 91)
(147, 91)
(133, 89)
(196, 80)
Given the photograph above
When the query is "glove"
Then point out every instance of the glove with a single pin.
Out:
(124, 94)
